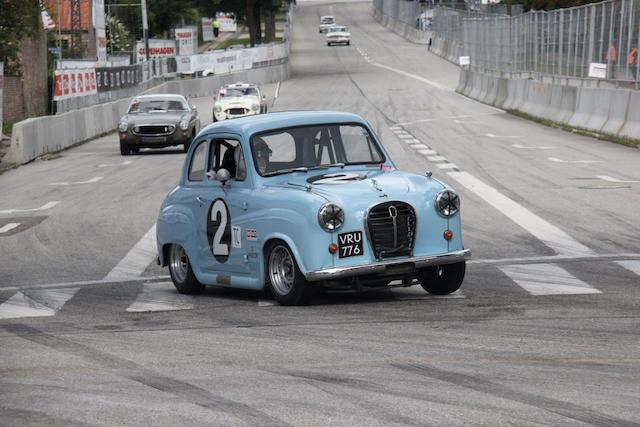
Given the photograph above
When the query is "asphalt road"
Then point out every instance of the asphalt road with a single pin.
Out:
(545, 331)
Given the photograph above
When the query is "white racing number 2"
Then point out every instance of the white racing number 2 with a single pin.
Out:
(219, 230)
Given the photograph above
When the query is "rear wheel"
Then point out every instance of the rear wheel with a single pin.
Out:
(125, 150)
(328, 44)
(181, 273)
(285, 280)
(348, 43)
(442, 279)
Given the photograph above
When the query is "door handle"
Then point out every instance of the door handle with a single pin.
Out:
(201, 200)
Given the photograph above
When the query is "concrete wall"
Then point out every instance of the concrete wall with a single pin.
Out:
(605, 110)
(410, 33)
(34, 137)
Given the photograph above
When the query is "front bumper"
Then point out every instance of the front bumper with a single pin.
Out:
(176, 138)
(338, 40)
(381, 267)
(224, 116)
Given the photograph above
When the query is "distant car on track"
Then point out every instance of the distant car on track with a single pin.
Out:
(326, 22)
(238, 100)
(158, 121)
(338, 34)
(295, 201)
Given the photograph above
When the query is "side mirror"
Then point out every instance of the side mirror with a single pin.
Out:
(223, 175)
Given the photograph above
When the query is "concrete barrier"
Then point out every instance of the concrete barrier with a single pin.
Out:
(34, 137)
(631, 127)
(402, 29)
(618, 110)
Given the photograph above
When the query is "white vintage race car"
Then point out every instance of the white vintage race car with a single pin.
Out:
(338, 34)
(238, 100)
(325, 23)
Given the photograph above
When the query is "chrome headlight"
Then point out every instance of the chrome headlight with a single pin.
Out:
(255, 107)
(218, 108)
(330, 217)
(136, 129)
(184, 124)
(447, 203)
(123, 126)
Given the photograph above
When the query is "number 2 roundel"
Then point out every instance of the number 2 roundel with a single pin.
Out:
(219, 230)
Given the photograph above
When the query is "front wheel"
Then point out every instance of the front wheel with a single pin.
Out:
(181, 272)
(285, 280)
(348, 43)
(442, 279)
(125, 150)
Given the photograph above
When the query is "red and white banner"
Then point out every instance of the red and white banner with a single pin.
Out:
(75, 83)
(187, 39)
(207, 29)
(101, 34)
(157, 49)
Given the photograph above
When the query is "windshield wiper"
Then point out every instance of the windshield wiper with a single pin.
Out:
(281, 171)
(332, 165)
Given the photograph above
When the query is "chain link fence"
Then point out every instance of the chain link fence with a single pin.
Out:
(562, 42)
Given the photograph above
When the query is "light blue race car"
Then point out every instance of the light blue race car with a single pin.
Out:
(294, 202)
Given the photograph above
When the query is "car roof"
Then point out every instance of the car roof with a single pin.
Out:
(264, 122)
(326, 16)
(239, 85)
(161, 96)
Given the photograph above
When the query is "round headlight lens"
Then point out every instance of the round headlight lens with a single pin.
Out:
(123, 126)
(330, 217)
(255, 107)
(218, 108)
(136, 129)
(184, 124)
(447, 203)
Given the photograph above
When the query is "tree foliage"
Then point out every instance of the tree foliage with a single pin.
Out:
(18, 19)
(552, 4)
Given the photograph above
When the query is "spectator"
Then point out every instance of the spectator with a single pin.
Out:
(216, 27)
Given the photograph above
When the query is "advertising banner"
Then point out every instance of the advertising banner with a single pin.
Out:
(101, 35)
(231, 60)
(74, 83)
(227, 24)
(1, 93)
(207, 29)
(113, 78)
(157, 49)
(187, 39)
(597, 70)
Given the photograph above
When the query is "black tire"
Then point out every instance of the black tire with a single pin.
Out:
(301, 292)
(182, 276)
(443, 279)
(187, 144)
(328, 44)
(125, 149)
(135, 150)
(348, 43)
(265, 109)
(214, 117)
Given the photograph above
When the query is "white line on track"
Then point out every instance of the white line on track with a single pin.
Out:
(548, 233)
(137, 260)
(160, 296)
(631, 265)
(437, 159)
(89, 181)
(8, 227)
(586, 162)
(490, 135)
(44, 207)
(447, 166)
(413, 76)
(405, 136)
(85, 283)
(547, 279)
(524, 147)
(107, 165)
(35, 303)
(610, 179)
(277, 91)
(427, 152)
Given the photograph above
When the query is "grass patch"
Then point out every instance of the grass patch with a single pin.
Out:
(7, 128)
(622, 140)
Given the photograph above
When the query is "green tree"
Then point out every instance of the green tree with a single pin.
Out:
(19, 19)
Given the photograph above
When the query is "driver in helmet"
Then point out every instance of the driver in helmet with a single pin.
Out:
(261, 153)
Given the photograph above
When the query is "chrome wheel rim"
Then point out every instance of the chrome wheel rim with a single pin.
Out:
(179, 263)
(281, 270)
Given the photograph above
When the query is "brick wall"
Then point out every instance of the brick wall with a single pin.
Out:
(27, 96)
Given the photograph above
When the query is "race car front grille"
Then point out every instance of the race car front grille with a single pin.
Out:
(237, 111)
(392, 229)
(153, 130)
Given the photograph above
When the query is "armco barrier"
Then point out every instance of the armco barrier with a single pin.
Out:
(608, 110)
(34, 137)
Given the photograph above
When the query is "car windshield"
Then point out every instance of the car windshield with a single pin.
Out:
(156, 105)
(239, 91)
(327, 20)
(300, 149)
(338, 29)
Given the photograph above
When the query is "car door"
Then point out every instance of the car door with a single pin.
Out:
(224, 208)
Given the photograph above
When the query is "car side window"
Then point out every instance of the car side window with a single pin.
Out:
(197, 166)
(227, 154)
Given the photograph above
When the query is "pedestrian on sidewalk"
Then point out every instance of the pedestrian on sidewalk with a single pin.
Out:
(216, 27)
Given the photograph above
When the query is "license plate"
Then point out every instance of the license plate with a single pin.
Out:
(350, 244)
(153, 139)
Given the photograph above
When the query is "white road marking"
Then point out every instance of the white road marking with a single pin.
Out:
(553, 258)
(464, 116)
(610, 179)
(547, 279)
(266, 303)
(524, 147)
(466, 122)
(420, 121)
(36, 303)
(631, 265)
(405, 136)
(89, 181)
(8, 227)
(160, 296)
(395, 128)
(437, 159)
(413, 142)
(416, 292)
(447, 166)
(84, 283)
(554, 159)
(107, 165)
(548, 233)
(275, 96)
(44, 207)
(490, 135)
(137, 260)
(413, 76)
(427, 152)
